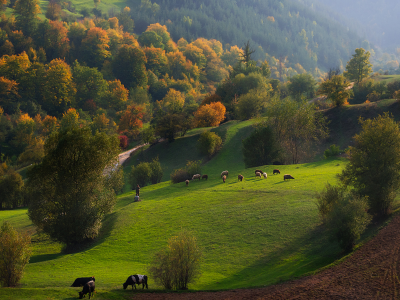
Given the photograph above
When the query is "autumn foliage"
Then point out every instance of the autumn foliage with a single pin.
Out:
(210, 115)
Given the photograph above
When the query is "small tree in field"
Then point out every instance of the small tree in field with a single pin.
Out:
(156, 171)
(140, 174)
(209, 143)
(261, 147)
(179, 264)
(374, 166)
(344, 214)
(14, 255)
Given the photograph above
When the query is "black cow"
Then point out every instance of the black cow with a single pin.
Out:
(82, 281)
(87, 288)
(136, 279)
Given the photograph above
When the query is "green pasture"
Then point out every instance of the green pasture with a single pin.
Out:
(387, 78)
(252, 233)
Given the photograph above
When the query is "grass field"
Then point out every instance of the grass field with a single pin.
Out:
(252, 233)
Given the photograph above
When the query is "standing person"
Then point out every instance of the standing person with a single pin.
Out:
(137, 190)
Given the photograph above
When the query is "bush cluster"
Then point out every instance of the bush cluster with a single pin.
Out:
(179, 264)
(14, 255)
(146, 172)
(344, 214)
(333, 150)
(179, 175)
(209, 143)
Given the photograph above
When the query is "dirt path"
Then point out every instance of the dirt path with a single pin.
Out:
(122, 157)
(372, 272)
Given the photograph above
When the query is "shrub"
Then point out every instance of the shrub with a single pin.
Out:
(327, 199)
(374, 165)
(193, 167)
(179, 264)
(156, 171)
(14, 254)
(333, 150)
(210, 115)
(347, 220)
(123, 141)
(261, 147)
(140, 174)
(373, 97)
(209, 143)
(179, 175)
(11, 190)
(396, 95)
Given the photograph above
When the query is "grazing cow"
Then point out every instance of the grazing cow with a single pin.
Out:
(87, 288)
(196, 176)
(259, 171)
(204, 176)
(82, 281)
(276, 171)
(287, 176)
(136, 279)
(224, 178)
(187, 182)
(224, 173)
(258, 174)
(265, 175)
(240, 177)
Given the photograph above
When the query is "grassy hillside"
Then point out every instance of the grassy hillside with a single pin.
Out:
(344, 121)
(252, 233)
(261, 231)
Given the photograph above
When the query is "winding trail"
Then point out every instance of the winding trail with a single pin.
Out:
(371, 272)
(123, 157)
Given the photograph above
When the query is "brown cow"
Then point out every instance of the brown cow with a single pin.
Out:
(276, 171)
(259, 171)
(287, 176)
(187, 182)
(204, 176)
(240, 177)
(224, 178)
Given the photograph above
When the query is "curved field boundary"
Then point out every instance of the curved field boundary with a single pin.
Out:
(372, 272)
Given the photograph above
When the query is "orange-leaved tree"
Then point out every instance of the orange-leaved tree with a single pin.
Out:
(95, 47)
(131, 121)
(210, 115)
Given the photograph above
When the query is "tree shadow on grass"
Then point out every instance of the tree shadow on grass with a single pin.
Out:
(303, 255)
(44, 257)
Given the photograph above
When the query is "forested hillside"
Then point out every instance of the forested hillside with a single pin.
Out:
(376, 19)
(291, 31)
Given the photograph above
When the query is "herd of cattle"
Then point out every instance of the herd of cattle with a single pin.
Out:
(88, 284)
(225, 174)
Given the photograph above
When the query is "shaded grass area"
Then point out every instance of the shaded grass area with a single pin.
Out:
(252, 233)
(175, 155)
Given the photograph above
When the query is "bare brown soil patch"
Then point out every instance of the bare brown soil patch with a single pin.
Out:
(372, 272)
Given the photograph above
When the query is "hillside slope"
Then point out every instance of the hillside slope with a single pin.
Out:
(292, 31)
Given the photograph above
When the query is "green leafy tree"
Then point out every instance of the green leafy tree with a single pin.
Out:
(179, 264)
(345, 215)
(15, 253)
(150, 38)
(129, 67)
(302, 85)
(261, 147)
(156, 171)
(374, 166)
(11, 189)
(68, 192)
(26, 12)
(297, 126)
(140, 174)
(337, 90)
(359, 66)
(209, 143)
(89, 83)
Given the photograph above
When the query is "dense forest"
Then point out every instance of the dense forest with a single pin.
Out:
(375, 19)
(288, 30)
